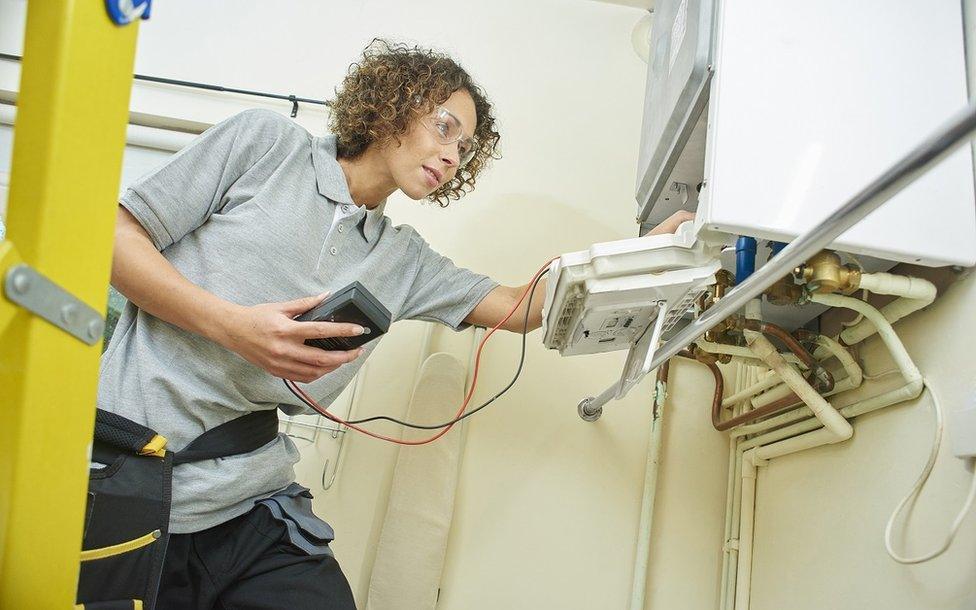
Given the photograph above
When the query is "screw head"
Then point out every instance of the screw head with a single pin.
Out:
(21, 281)
(94, 330)
(68, 313)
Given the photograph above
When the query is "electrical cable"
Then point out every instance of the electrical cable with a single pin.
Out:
(917, 488)
(294, 99)
(518, 372)
(445, 428)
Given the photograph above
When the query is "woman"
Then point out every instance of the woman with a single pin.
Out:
(211, 251)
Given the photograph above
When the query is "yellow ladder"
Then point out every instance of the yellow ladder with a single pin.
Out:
(68, 143)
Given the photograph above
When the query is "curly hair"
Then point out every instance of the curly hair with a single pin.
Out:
(392, 85)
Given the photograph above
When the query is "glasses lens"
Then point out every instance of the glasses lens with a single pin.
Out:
(446, 126)
(466, 150)
(447, 129)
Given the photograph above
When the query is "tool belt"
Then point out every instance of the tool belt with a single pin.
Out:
(127, 512)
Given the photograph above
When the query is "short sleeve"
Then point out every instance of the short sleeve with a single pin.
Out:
(181, 195)
(443, 292)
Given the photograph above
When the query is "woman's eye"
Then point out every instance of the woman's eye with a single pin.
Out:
(443, 129)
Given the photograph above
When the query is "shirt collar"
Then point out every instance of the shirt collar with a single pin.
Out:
(331, 183)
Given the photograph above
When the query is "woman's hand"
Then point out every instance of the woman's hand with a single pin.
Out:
(670, 225)
(267, 336)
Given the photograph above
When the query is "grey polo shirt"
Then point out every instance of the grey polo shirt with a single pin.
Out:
(245, 212)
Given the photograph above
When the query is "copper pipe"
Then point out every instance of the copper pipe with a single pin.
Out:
(662, 371)
(822, 376)
(716, 373)
(719, 390)
(784, 403)
(824, 381)
(770, 409)
(717, 422)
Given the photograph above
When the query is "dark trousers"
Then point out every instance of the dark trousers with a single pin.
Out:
(249, 563)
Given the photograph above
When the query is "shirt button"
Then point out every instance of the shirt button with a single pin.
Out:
(333, 250)
(345, 208)
(341, 229)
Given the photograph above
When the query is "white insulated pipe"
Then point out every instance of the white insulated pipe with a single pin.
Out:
(822, 410)
(651, 468)
(882, 326)
(827, 347)
(769, 379)
(909, 372)
(740, 352)
(747, 519)
(730, 545)
(766, 445)
(915, 293)
(835, 429)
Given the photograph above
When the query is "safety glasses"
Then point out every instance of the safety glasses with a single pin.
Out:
(447, 129)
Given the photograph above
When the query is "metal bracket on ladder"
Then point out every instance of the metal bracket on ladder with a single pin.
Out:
(39, 295)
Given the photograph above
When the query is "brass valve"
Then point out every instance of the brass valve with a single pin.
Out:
(723, 281)
(719, 332)
(824, 274)
(784, 292)
(709, 358)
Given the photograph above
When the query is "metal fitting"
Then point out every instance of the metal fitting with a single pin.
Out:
(784, 292)
(719, 333)
(584, 410)
(708, 357)
(724, 280)
(825, 274)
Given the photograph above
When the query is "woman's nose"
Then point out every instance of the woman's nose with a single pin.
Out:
(450, 155)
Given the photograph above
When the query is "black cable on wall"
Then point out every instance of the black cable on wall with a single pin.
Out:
(294, 99)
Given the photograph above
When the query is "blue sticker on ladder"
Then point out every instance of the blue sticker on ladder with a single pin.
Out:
(124, 12)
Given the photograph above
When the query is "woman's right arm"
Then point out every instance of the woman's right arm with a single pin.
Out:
(264, 335)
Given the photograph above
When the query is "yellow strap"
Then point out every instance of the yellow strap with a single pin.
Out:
(122, 547)
(156, 447)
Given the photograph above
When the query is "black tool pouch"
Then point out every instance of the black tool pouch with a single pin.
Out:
(126, 516)
(127, 512)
